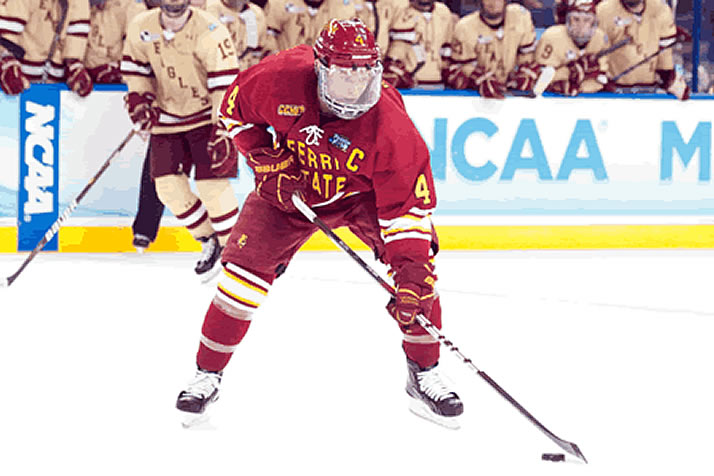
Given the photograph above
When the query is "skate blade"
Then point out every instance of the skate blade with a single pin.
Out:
(421, 410)
(193, 420)
(209, 276)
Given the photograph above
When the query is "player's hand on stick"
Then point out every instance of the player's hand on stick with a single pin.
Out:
(674, 84)
(414, 286)
(454, 77)
(12, 79)
(106, 74)
(525, 78)
(78, 78)
(141, 111)
(486, 84)
(223, 153)
(396, 74)
(277, 176)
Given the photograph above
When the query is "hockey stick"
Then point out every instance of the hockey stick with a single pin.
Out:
(16, 50)
(56, 38)
(6, 282)
(433, 331)
(682, 37)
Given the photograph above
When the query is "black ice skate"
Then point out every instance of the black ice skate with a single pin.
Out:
(209, 264)
(200, 392)
(141, 242)
(431, 399)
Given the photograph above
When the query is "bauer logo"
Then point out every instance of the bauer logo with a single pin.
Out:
(39, 152)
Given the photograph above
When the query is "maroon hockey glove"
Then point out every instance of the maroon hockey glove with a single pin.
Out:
(414, 283)
(674, 84)
(525, 78)
(585, 67)
(223, 153)
(454, 77)
(277, 176)
(12, 79)
(486, 85)
(141, 111)
(78, 78)
(396, 74)
(105, 74)
(564, 87)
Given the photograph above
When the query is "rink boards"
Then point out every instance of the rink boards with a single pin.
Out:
(597, 171)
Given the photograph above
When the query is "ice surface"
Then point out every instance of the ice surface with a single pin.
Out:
(609, 349)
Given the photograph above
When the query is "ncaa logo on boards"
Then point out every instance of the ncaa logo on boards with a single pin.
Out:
(39, 159)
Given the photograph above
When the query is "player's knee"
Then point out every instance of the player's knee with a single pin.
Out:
(175, 192)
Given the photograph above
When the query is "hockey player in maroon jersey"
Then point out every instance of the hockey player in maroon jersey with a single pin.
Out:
(343, 140)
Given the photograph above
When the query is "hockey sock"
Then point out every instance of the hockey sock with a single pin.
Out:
(419, 346)
(220, 335)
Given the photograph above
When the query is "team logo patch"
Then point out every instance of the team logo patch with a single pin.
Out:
(293, 110)
(339, 141)
(147, 36)
(314, 134)
(226, 19)
(619, 21)
(212, 26)
(571, 55)
(242, 240)
(482, 40)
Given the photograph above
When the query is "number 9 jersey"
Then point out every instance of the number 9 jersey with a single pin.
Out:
(188, 70)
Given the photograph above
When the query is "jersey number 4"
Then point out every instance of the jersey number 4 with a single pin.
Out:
(422, 190)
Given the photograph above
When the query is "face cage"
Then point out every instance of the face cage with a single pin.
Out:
(581, 40)
(362, 104)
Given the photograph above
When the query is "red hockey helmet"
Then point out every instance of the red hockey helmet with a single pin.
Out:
(580, 20)
(349, 72)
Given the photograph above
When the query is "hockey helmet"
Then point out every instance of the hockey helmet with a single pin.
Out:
(349, 71)
(97, 3)
(174, 8)
(152, 3)
(580, 20)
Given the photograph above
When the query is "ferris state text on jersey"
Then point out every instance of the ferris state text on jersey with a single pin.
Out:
(338, 157)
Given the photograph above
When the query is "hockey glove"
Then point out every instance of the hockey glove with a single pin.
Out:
(564, 87)
(585, 67)
(486, 85)
(414, 285)
(277, 176)
(525, 78)
(141, 111)
(674, 84)
(396, 74)
(223, 153)
(105, 74)
(454, 77)
(12, 79)
(78, 78)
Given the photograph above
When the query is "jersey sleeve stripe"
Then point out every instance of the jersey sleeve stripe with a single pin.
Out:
(403, 35)
(78, 28)
(11, 25)
(667, 41)
(525, 49)
(221, 79)
(131, 67)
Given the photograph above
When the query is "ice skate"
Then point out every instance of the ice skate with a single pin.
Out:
(209, 264)
(141, 242)
(200, 392)
(430, 398)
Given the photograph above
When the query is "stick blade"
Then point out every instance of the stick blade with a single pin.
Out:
(544, 80)
(571, 448)
(4, 283)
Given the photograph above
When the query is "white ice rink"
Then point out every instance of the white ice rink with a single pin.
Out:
(609, 349)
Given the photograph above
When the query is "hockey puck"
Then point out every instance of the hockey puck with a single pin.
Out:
(552, 457)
